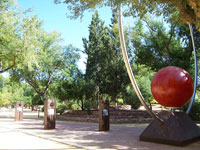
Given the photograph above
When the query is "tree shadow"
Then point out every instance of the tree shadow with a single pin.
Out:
(89, 136)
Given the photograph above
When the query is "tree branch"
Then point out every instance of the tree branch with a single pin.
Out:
(13, 64)
(48, 83)
(150, 28)
(34, 85)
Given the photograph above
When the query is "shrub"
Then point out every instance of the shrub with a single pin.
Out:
(195, 111)
(131, 98)
(61, 108)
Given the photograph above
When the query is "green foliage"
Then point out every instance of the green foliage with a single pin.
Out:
(51, 60)
(105, 67)
(143, 77)
(2, 82)
(74, 90)
(130, 98)
(69, 85)
(187, 10)
(18, 38)
(36, 100)
(158, 47)
(95, 50)
(94, 47)
(114, 75)
(11, 92)
(5, 98)
(60, 108)
(195, 111)
(120, 101)
(88, 107)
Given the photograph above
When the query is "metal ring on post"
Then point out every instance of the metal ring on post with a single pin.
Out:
(129, 70)
(195, 80)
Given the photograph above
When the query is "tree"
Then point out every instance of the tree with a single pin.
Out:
(18, 37)
(8, 34)
(5, 97)
(1, 82)
(157, 47)
(95, 49)
(75, 89)
(188, 10)
(12, 92)
(51, 60)
(105, 67)
(143, 76)
(114, 75)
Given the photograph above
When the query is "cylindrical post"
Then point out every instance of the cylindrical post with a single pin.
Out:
(50, 114)
(196, 71)
(19, 110)
(104, 115)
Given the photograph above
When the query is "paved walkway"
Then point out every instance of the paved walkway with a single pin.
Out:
(29, 134)
(15, 139)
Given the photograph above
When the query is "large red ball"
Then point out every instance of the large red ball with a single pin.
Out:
(172, 86)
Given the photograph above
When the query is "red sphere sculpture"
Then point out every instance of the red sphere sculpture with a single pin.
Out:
(172, 86)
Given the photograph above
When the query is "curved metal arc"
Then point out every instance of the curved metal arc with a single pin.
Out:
(129, 70)
(195, 80)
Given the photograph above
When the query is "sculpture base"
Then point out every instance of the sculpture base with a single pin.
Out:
(178, 129)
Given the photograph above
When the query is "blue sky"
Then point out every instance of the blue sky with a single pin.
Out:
(54, 18)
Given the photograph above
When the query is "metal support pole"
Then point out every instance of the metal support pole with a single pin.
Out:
(129, 70)
(195, 79)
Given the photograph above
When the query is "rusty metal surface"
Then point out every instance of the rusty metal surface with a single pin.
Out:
(178, 129)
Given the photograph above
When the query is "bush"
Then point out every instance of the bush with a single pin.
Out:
(61, 108)
(88, 107)
(130, 98)
(195, 111)
(42, 109)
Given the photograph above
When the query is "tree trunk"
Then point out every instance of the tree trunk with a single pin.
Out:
(82, 104)
(43, 96)
(114, 99)
(32, 107)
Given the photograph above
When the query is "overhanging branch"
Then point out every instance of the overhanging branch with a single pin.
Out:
(10, 67)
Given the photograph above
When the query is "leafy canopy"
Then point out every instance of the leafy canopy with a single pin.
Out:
(18, 38)
(187, 10)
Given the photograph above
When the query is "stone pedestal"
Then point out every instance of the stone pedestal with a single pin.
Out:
(104, 115)
(19, 110)
(178, 129)
(50, 114)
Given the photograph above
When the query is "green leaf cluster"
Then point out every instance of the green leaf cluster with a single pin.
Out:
(187, 10)
(158, 46)
(12, 92)
(105, 67)
(18, 37)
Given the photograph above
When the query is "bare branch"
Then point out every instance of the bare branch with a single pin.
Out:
(149, 27)
(35, 86)
(48, 83)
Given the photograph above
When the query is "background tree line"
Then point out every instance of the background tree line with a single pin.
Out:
(40, 67)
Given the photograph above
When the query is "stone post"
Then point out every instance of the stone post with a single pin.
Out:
(19, 110)
(50, 114)
(104, 115)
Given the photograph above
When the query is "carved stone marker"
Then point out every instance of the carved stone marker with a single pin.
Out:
(104, 115)
(19, 111)
(50, 114)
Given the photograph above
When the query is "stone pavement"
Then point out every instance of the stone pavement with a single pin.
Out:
(75, 135)
(12, 139)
